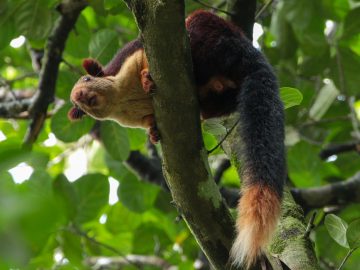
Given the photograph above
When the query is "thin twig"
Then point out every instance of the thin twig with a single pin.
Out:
(325, 121)
(77, 231)
(346, 257)
(223, 139)
(310, 225)
(264, 7)
(72, 67)
(214, 8)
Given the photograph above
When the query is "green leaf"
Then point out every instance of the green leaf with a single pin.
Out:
(33, 19)
(135, 195)
(337, 229)
(116, 168)
(12, 154)
(348, 76)
(137, 138)
(98, 6)
(104, 45)
(335, 9)
(305, 168)
(290, 96)
(115, 140)
(66, 195)
(80, 35)
(109, 4)
(353, 234)
(71, 246)
(324, 99)
(92, 191)
(7, 29)
(214, 127)
(308, 24)
(121, 219)
(352, 23)
(281, 29)
(65, 82)
(69, 131)
(151, 236)
(8, 15)
(39, 215)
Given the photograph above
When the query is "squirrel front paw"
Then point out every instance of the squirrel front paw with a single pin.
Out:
(154, 134)
(147, 82)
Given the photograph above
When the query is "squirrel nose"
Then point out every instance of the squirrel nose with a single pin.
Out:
(80, 95)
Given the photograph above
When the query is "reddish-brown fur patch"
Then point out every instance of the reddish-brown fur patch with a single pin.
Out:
(93, 67)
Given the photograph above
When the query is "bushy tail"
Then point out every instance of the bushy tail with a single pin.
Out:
(259, 210)
(263, 163)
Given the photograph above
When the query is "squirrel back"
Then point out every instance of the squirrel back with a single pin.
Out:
(219, 48)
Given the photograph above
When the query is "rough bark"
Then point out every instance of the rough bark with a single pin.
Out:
(184, 157)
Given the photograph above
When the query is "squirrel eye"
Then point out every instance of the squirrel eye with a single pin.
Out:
(86, 79)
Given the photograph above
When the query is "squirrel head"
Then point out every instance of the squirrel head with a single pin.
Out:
(94, 96)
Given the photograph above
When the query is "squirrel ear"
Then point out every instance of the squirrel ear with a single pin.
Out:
(93, 67)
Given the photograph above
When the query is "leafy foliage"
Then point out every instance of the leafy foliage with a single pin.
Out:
(59, 214)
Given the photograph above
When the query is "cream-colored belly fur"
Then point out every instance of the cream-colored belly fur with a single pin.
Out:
(132, 102)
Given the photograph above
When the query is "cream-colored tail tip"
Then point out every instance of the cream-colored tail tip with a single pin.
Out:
(259, 211)
(244, 252)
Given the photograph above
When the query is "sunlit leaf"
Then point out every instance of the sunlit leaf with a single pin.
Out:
(337, 229)
(33, 19)
(69, 131)
(71, 246)
(215, 127)
(290, 96)
(352, 23)
(66, 194)
(353, 234)
(121, 219)
(135, 195)
(115, 139)
(103, 45)
(325, 98)
(92, 191)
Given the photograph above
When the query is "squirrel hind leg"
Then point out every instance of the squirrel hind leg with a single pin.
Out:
(217, 84)
(220, 84)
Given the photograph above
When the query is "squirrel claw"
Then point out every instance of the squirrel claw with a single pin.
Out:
(147, 82)
(154, 135)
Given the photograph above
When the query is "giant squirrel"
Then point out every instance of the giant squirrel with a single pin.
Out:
(230, 75)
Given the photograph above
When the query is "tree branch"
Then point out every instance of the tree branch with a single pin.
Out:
(70, 11)
(148, 169)
(194, 191)
(340, 193)
(11, 109)
(339, 148)
(119, 262)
